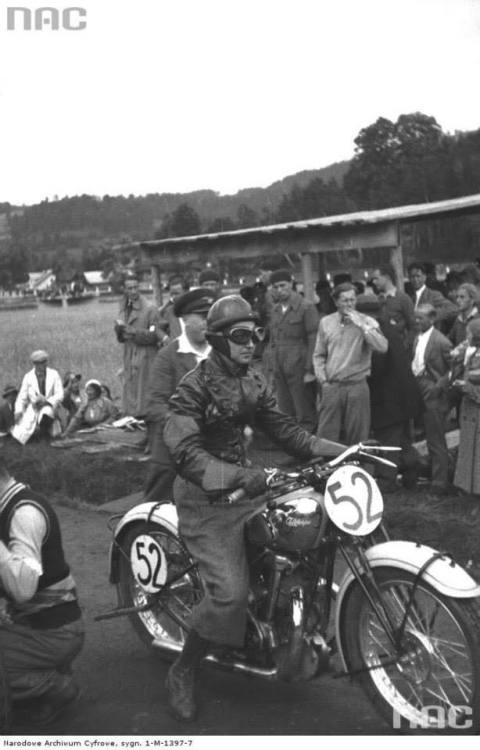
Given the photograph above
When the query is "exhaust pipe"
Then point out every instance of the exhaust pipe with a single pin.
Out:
(235, 666)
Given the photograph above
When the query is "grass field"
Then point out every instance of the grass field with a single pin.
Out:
(80, 339)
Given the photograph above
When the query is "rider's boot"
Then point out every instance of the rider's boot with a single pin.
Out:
(181, 677)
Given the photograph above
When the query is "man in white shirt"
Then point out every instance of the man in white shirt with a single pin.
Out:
(431, 365)
(171, 363)
(38, 401)
(41, 628)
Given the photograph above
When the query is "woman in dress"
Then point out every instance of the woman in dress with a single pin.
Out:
(97, 409)
(467, 471)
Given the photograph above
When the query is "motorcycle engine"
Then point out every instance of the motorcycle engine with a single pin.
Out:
(296, 524)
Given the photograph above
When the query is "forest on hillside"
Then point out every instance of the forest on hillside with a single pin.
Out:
(408, 161)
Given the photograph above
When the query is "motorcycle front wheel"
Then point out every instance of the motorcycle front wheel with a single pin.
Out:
(432, 680)
(166, 618)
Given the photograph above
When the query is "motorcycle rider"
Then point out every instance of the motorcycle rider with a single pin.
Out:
(205, 433)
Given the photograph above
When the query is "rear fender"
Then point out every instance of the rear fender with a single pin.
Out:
(444, 575)
(164, 514)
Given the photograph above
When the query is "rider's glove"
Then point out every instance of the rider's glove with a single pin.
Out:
(322, 447)
(254, 482)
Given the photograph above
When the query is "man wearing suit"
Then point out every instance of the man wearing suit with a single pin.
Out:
(421, 294)
(430, 366)
(395, 397)
(38, 401)
(170, 365)
(293, 330)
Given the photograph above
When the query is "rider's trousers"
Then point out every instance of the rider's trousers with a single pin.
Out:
(214, 535)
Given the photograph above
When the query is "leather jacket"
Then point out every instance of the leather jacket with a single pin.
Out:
(208, 413)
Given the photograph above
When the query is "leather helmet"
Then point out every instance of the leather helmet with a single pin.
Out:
(229, 310)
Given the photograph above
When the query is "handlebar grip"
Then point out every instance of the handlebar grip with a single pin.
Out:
(236, 495)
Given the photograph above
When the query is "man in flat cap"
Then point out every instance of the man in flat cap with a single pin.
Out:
(210, 279)
(38, 401)
(7, 420)
(293, 328)
(139, 328)
(171, 363)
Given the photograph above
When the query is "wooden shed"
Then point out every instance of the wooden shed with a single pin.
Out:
(309, 239)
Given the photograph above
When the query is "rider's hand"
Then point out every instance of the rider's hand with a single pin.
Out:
(254, 482)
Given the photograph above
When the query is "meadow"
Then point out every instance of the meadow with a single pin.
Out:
(80, 339)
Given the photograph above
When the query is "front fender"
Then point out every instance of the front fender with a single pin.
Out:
(444, 575)
(165, 514)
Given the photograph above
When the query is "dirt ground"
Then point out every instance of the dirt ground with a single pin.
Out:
(122, 681)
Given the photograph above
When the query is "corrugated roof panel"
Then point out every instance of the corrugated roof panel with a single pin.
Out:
(356, 218)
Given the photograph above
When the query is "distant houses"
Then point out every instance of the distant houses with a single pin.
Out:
(40, 281)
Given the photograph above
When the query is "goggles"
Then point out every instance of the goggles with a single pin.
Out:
(242, 336)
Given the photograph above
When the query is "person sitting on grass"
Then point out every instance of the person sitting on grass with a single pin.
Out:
(72, 398)
(7, 420)
(97, 409)
(38, 402)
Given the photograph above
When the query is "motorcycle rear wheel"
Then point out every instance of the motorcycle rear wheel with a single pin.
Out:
(157, 622)
(436, 687)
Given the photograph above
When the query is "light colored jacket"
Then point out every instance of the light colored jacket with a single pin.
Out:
(26, 406)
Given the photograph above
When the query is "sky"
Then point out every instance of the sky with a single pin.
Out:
(181, 95)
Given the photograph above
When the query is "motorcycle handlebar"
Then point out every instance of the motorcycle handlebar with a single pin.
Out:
(363, 449)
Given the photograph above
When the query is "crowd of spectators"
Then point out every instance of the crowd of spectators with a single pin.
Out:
(364, 359)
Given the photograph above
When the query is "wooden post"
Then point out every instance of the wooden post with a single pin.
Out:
(307, 277)
(157, 286)
(396, 261)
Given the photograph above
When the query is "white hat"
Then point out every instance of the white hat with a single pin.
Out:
(39, 355)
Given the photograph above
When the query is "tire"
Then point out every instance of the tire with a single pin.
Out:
(156, 622)
(442, 636)
(5, 700)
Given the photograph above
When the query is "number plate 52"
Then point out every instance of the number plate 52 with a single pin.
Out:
(353, 500)
(148, 562)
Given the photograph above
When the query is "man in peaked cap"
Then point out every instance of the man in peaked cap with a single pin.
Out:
(6, 410)
(171, 363)
(38, 402)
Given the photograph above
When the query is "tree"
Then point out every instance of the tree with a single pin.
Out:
(221, 224)
(246, 217)
(397, 163)
(183, 221)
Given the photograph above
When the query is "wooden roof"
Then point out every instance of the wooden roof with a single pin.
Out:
(356, 219)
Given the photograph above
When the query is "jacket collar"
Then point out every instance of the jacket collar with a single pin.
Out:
(226, 364)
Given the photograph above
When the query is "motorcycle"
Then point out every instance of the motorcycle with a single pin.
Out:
(404, 618)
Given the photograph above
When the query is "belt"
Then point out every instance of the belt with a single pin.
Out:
(346, 382)
(52, 617)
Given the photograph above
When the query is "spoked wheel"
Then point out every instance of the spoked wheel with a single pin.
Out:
(156, 569)
(432, 681)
